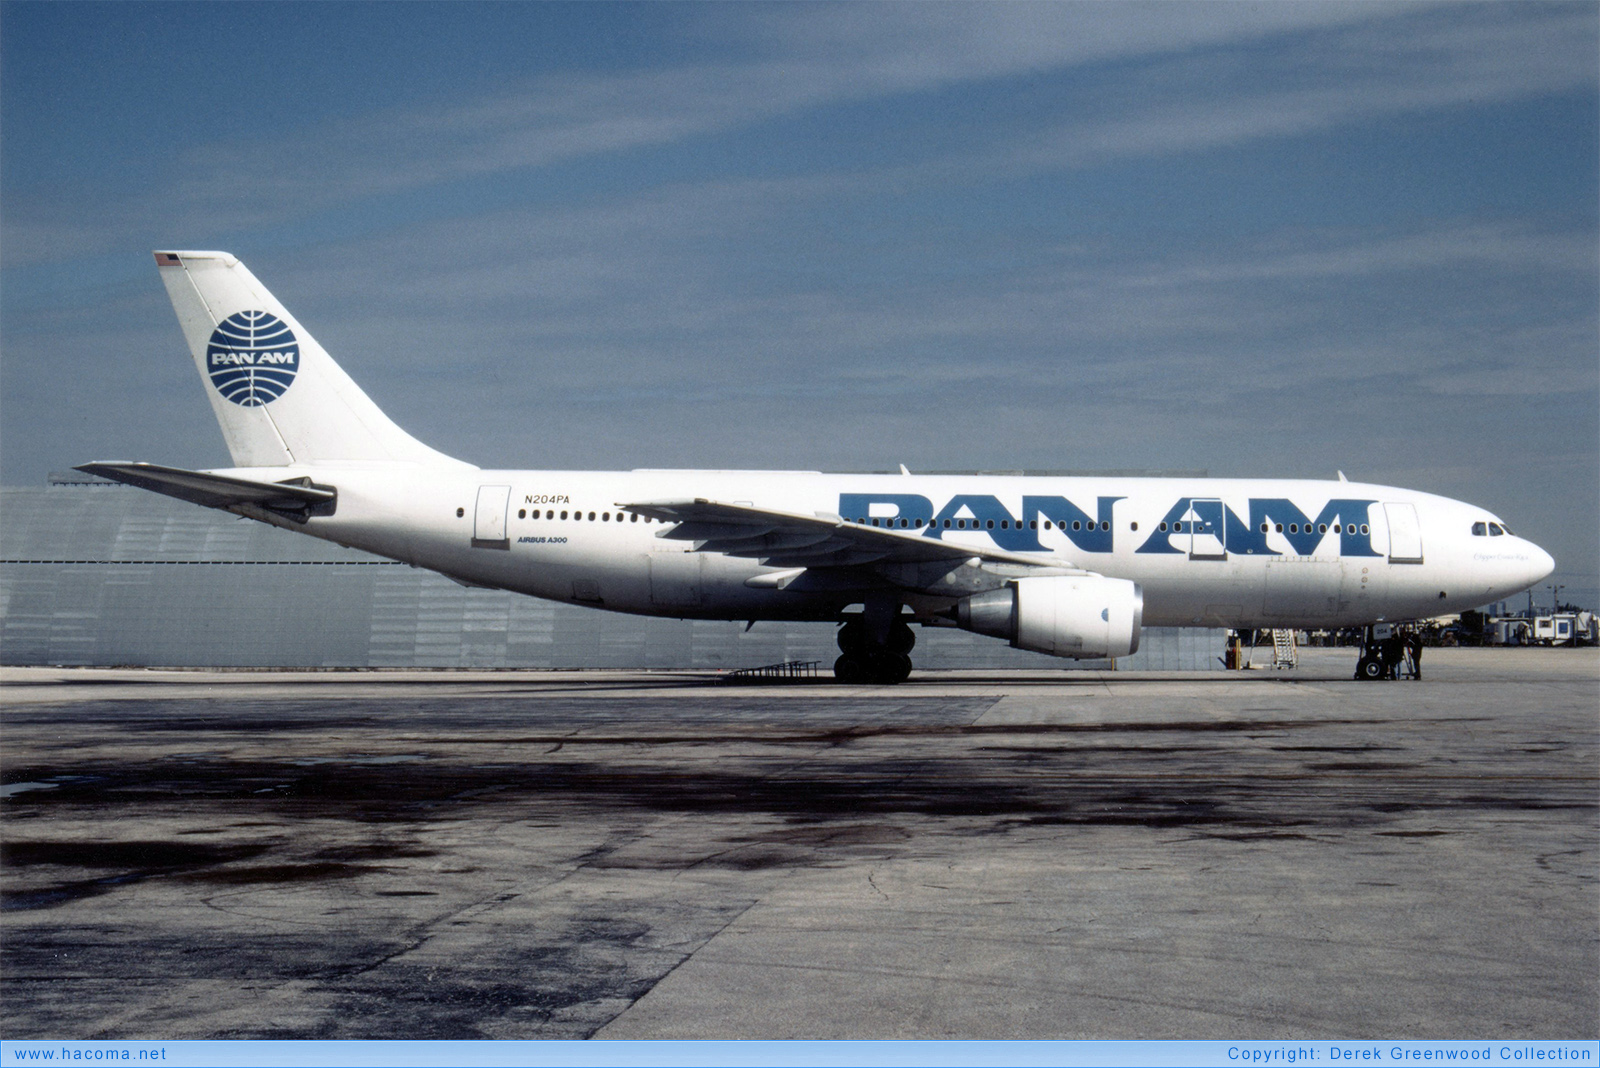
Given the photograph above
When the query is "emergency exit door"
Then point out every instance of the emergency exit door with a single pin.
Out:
(489, 518)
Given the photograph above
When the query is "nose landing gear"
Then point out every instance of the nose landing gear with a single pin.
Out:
(866, 661)
(1391, 651)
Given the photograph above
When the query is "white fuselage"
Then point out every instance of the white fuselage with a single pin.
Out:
(1207, 552)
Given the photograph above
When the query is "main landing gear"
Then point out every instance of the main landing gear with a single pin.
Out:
(865, 660)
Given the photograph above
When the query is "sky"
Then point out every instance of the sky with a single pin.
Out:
(1251, 239)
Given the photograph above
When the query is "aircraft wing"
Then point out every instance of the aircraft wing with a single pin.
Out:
(296, 498)
(790, 539)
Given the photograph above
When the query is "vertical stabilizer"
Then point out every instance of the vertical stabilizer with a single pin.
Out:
(277, 394)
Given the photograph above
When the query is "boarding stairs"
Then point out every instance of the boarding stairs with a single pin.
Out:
(787, 671)
(1284, 652)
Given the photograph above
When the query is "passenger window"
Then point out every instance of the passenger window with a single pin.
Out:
(1278, 527)
(1077, 524)
(591, 517)
(1480, 529)
(460, 512)
(1263, 528)
(563, 515)
(989, 525)
(633, 517)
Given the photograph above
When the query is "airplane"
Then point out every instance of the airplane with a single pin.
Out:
(1072, 567)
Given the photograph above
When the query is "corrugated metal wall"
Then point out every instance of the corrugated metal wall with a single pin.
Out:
(107, 575)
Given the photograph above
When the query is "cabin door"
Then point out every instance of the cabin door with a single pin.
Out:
(1405, 533)
(1206, 527)
(489, 518)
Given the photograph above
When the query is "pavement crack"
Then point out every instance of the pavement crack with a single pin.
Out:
(681, 961)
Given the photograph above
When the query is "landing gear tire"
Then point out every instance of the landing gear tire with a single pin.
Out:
(890, 668)
(852, 637)
(851, 669)
(1369, 667)
(879, 667)
(901, 639)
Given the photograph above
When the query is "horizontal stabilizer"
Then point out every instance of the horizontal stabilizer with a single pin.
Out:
(297, 499)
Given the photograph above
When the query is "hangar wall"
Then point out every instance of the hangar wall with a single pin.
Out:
(94, 573)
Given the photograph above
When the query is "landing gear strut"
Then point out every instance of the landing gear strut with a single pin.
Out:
(864, 660)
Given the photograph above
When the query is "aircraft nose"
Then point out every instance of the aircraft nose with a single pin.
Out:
(1540, 564)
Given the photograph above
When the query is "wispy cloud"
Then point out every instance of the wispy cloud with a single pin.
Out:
(1431, 60)
(1199, 82)
(646, 294)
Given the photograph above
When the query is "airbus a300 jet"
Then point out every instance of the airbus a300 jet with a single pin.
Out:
(1070, 566)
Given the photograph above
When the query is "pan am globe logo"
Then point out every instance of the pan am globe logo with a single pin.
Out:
(252, 358)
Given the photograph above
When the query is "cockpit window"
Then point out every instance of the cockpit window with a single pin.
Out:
(1480, 529)
(1495, 531)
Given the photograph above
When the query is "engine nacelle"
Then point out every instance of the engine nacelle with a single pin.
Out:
(1086, 617)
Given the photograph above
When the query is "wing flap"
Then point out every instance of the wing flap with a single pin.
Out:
(792, 539)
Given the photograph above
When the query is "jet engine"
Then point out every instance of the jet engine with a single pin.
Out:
(1085, 617)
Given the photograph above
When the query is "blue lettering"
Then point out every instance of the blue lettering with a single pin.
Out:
(982, 511)
(987, 514)
(1160, 540)
(1090, 535)
(1305, 535)
(911, 507)
(1191, 516)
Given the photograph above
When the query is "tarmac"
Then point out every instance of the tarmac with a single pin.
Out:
(1051, 854)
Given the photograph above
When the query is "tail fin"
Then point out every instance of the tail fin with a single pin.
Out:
(278, 395)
